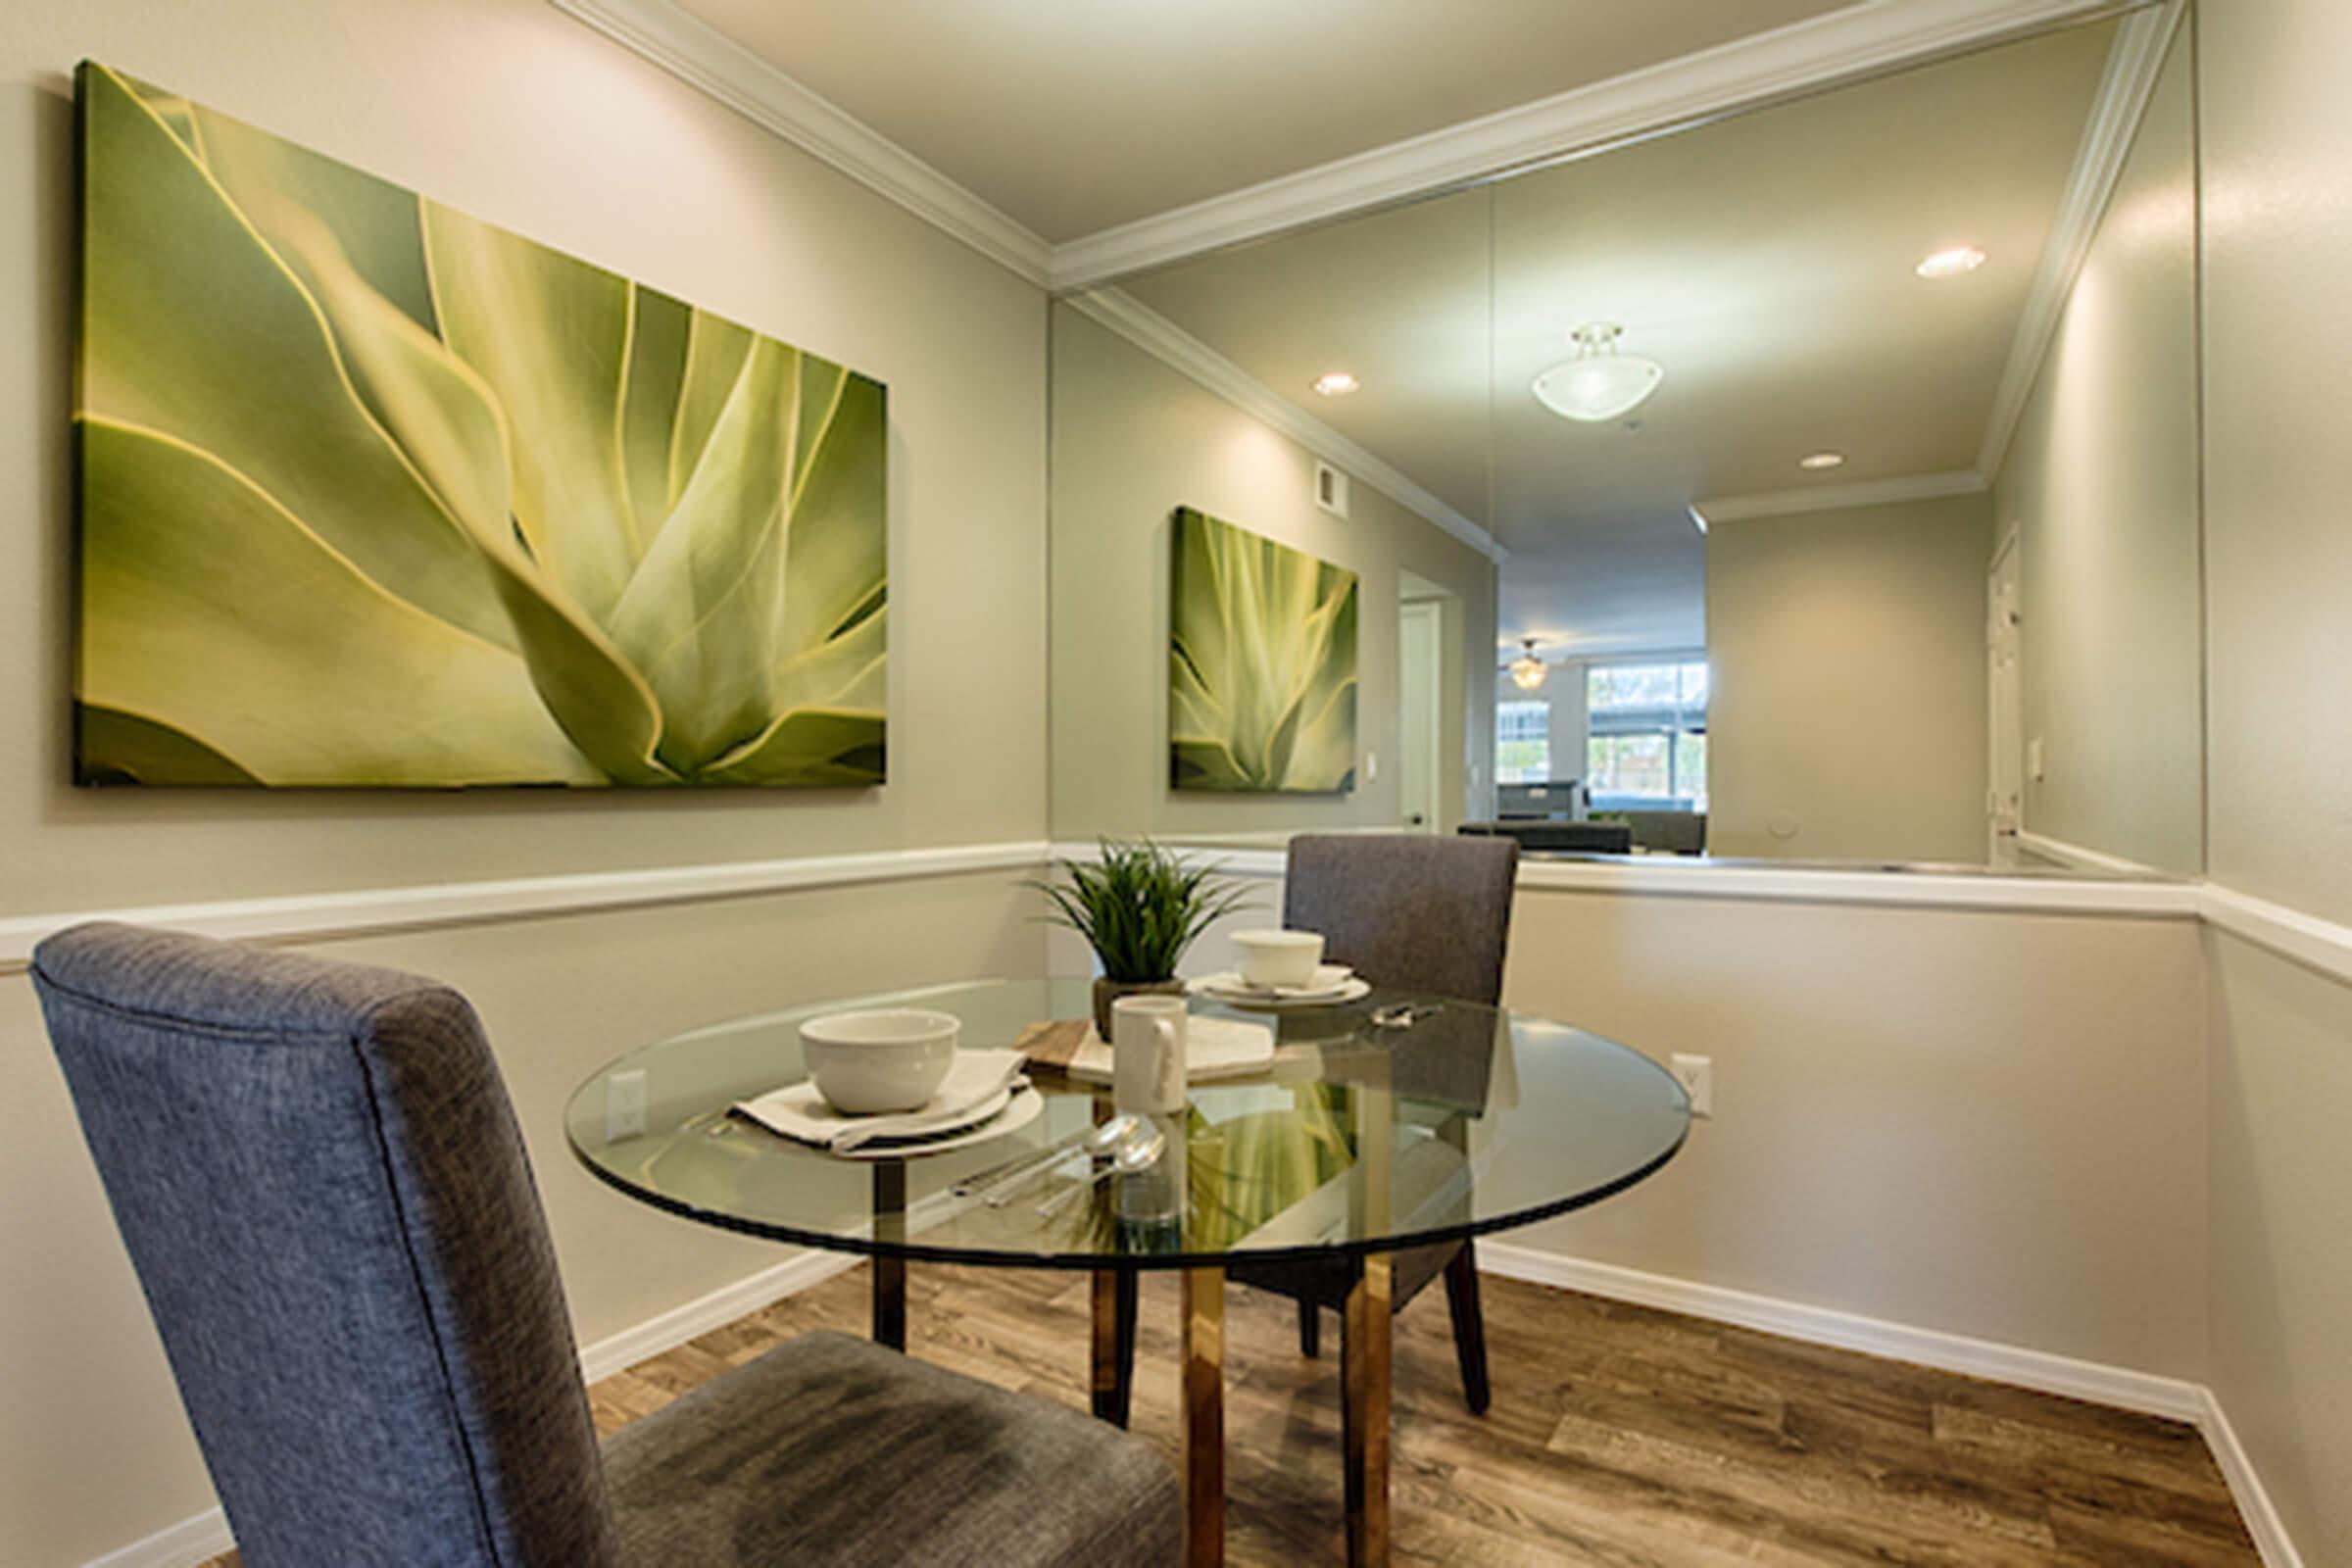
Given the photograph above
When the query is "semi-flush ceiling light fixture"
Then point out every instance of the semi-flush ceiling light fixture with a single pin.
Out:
(1953, 263)
(1527, 670)
(1600, 384)
(1822, 460)
(1336, 383)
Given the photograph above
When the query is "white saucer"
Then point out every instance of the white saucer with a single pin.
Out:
(1335, 985)
(800, 1107)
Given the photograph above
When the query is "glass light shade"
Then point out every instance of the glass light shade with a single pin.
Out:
(1527, 672)
(1599, 386)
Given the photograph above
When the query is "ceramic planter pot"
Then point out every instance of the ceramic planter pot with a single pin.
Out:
(1108, 992)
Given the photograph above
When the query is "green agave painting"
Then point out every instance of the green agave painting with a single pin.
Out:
(374, 494)
(1261, 665)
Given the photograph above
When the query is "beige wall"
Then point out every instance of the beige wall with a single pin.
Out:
(510, 110)
(2100, 485)
(2277, 147)
(1133, 440)
(1986, 1123)
(1847, 688)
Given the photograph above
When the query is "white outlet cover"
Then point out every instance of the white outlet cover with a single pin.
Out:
(1697, 1075)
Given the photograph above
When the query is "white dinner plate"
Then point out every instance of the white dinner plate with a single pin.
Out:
(1231, 989)
(1024, 1106)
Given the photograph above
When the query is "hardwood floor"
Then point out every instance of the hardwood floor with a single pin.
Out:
(1619, 1436)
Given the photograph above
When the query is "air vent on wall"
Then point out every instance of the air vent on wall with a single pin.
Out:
(1331, 490)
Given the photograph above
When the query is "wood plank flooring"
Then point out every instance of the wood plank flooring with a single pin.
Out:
(1619, 1436)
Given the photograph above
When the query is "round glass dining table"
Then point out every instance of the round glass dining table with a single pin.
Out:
(1385, 1124)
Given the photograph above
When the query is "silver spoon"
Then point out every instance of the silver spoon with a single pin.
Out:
(1001, 1182)
(1139, 1153)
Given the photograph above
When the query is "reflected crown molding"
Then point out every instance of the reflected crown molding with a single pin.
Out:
(1833, 497)
(2134, 65)
(1744, 72)
(1179, 350)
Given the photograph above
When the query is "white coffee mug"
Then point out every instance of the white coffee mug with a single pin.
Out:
(1146, 1053)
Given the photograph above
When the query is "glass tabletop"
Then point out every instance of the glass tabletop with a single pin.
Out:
(1361, 1136)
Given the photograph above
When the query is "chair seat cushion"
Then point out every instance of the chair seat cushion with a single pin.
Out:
(831, 1451)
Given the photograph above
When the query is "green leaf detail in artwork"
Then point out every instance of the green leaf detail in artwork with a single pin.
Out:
(193, 327)
(212, 612)
(112, 747)
(550, 336)
(1262, 663)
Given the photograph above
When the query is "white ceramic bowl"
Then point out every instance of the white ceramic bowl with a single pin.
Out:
(1272, 958)
(872, 1064)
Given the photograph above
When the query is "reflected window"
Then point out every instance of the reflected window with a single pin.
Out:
(1647, 736)
(1522, 743)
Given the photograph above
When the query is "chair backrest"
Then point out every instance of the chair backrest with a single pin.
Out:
(1409, 911)
(326, 1195)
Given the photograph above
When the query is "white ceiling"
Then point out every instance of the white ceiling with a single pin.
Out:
(1766, 261)
(1074, 116)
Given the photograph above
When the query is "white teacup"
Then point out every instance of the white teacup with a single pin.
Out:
(1271, 959)
(873, 1064)
(1146, 1052)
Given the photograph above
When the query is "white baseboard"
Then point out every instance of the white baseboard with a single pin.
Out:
(718, 1309)
(185, 1544)
(2253, 1501)
(2143, 1392)
(2118, 1387)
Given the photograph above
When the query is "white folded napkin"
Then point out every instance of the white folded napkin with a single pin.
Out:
(978, 1084)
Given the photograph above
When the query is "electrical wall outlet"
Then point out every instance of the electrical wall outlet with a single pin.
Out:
(1697, 1075)
(1371, 767)
(624, 1106)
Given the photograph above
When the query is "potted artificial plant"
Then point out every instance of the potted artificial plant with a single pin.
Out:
(1139, 906)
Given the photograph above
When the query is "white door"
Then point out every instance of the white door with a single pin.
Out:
(1420, 651)
(2005, 800)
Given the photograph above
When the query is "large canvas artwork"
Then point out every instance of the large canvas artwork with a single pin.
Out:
(1261, 665)
(373, 493)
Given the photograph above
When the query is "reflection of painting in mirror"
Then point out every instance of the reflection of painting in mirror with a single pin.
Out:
(1261, 665)
(374, 494)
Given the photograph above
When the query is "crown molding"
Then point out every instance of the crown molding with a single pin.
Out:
(1742, 74)
(2130, 80)
(709, 61)
(1836, 496)
(1180, 351)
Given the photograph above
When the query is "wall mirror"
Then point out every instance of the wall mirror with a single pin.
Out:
(1839, 457)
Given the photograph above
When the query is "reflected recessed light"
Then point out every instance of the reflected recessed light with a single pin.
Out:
(1952, 263)
(1337, 384)
(1822, 460)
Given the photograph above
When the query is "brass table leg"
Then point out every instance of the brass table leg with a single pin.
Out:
(890, 1273)
(1365, 1393)
(1205, 1417)
(1114, 1343)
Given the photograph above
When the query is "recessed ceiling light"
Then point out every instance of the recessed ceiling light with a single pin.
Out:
(1822, 460)
(1952, 263)
(1335, 384)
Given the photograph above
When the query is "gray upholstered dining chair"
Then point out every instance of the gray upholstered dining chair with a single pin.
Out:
(1410, 912)
(326, 1195)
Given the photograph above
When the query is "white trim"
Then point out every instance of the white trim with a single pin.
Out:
(1761, 69)
(185, 1544)
(1695, 877)
(2254, 1505)
(323, 916)
(2081, 857)
(1180, 351)
(2308, 940)
(1834, 496)
(667, 1331)
(2132, 67)
(706, 58)
(2120, 1386)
